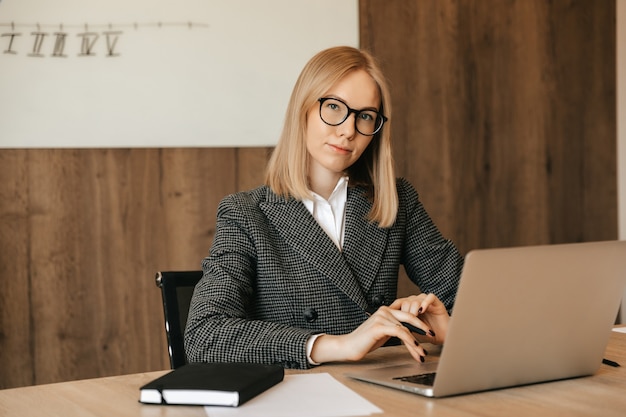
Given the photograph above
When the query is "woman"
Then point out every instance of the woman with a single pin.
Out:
(304, 269)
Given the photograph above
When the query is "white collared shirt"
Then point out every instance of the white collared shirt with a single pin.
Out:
(330, 214)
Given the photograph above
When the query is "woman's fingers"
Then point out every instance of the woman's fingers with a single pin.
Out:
(409, 304)
(427, 312)
(431, 302)
(413, 346)
(410, 321)
(401, 324)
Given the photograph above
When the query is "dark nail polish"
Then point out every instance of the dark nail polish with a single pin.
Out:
(422, 359)
(417, 343)
(431, 333)
(420, 310)
(425, 352)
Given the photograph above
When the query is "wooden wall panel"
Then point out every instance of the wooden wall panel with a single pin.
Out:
(16, 333)
(251, 164)
(504, 114)
(84, 232)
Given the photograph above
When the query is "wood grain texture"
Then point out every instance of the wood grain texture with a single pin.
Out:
(16, 332)
(504, 114)
(598, 395)
(86, 232)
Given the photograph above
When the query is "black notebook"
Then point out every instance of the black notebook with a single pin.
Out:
(226, 384)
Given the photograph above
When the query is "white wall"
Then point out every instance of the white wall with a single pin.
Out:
(621, 126)
(157, 73)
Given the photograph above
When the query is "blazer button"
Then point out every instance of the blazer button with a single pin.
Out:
(378, 300)
(310, 315)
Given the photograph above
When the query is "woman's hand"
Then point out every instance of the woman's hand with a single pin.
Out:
(430, 315)
(385, 323)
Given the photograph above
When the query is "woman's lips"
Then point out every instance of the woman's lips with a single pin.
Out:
(339, 149)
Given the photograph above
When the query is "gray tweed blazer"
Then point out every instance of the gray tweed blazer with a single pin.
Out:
(273, 276)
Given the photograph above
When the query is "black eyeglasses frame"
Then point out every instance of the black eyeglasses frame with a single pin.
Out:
(350, 111)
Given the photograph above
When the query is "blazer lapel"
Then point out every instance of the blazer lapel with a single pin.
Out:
(301, 232)
(364, 242)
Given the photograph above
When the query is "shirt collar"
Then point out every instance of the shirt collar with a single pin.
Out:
(339, 194)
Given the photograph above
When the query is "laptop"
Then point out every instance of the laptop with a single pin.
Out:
(522, 315)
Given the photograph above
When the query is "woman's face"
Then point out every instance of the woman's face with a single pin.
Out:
(333, 149)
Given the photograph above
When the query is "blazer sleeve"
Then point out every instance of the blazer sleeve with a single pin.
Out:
(220, 327)
(431, 261)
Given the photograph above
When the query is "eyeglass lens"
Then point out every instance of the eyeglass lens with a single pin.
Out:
(334, 112)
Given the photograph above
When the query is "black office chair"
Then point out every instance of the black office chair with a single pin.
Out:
(176, 291)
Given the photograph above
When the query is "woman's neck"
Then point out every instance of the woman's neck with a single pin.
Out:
(324, 184)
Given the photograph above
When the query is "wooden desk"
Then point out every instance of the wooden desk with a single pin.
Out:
(603, 394)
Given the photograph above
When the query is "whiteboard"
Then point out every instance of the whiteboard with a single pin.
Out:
(155, 73)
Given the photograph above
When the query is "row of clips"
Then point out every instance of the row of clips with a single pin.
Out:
(88, 38)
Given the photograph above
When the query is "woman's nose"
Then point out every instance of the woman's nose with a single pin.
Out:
(348, 128)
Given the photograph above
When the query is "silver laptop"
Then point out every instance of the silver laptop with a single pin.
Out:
(522, 315)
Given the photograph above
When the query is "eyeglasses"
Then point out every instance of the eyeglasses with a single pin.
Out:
(334, 112)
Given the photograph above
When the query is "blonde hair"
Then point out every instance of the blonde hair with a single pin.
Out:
(288, 166)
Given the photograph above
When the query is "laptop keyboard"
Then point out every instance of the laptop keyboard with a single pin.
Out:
(421, 379)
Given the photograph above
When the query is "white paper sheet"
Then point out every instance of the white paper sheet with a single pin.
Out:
(306, 395)
(619, 329)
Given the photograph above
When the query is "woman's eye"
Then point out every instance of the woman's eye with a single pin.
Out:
(367, 117)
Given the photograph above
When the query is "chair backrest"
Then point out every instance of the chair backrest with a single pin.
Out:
(176, 291)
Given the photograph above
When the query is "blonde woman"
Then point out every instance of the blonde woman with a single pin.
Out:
(303, 270)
